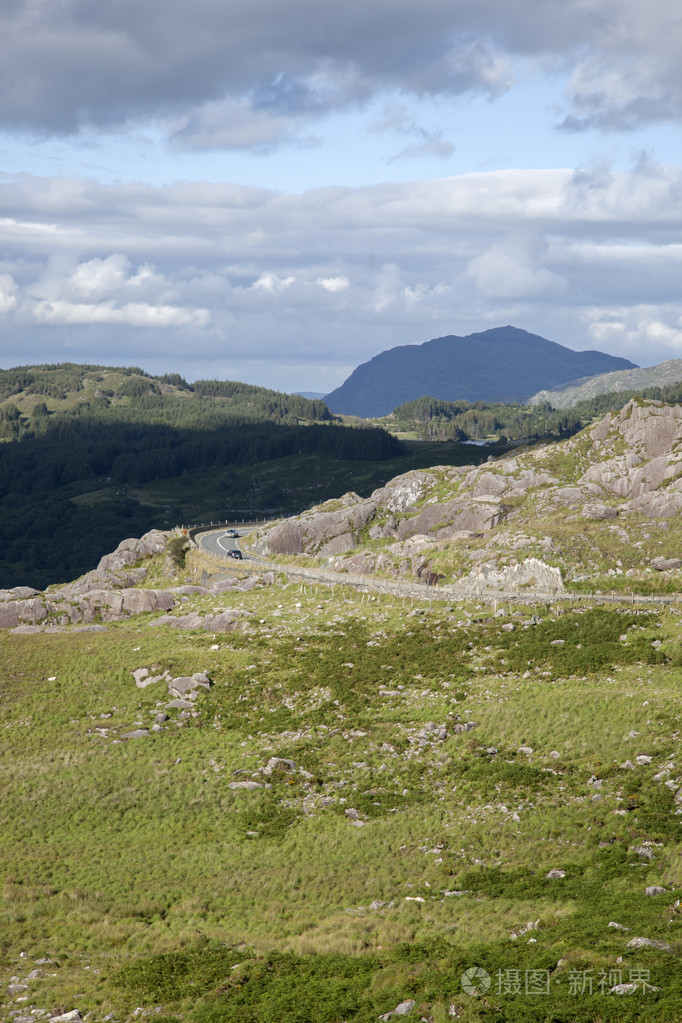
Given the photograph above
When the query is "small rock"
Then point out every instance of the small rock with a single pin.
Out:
(623, 989)
(525, 749)
(279, 765)
(554, 874)
(655, 889)
(244, 785)
(433, 731)
(617, 927)
(377, 904)
(68, 1017)
(666, 564)
(643, 759)
(662, 946)
(137, 733)
(400, 1010)
(532, 925)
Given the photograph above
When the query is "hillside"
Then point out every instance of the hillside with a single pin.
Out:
(602, 510)
(502, 364)
(662, 375)
(93, 454)
(228, 797)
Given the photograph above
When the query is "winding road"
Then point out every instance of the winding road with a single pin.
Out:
(217, 543)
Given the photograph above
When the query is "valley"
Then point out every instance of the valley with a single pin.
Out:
(240, 792)
(420, 758)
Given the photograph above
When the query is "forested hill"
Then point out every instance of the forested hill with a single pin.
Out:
(31, 394)
(80, 442)
(433, 419)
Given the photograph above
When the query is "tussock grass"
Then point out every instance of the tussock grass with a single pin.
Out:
(135, 867)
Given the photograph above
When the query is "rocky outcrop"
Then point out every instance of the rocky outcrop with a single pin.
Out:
(223, 621)
(629, 464)
(121, 569)
(17, 612)
(106, 594)
(325, 531)
(530, 574)
(643, 464)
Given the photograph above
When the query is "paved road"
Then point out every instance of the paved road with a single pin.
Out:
(219, 542)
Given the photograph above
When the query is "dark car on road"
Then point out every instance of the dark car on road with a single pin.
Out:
(235, 554)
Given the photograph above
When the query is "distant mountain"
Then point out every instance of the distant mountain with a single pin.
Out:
(669, 372)
(310, 394)
(502, 364)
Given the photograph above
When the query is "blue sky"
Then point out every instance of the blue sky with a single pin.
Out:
(218, 189)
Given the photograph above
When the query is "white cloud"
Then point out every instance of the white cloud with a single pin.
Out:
(332, 276)
(8, 294)
(512, 268)
(96, 278)
(133, 314)
(334, 284)
(636, 328)
(271, 282)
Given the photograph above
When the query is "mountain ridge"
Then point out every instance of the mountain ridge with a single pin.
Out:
(500, 364)
(571, 394)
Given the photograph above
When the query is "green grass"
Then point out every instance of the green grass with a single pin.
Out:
(151, 883)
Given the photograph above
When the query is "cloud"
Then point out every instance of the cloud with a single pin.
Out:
(512, 268)
(133, 314)
(8, 294)
(334, 284)
(277, 287)
(236, 124)
(430, 142)
(98, 277)
(245, 75)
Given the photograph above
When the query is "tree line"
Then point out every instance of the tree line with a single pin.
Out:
(434, 419)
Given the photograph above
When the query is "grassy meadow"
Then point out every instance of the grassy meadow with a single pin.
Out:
(377, 861)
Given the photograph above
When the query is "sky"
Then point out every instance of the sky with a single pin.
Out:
(276, 192)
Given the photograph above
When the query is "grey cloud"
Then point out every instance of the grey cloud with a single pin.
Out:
(82, 61)
(233, 124)
(79, 63)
